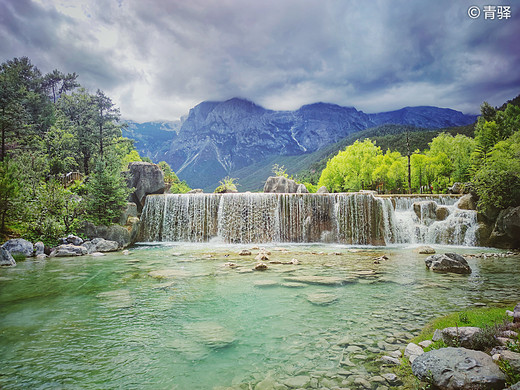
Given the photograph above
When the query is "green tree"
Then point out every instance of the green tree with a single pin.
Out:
(55, 212)
(107, 192)
(171, 179)
(56, 83)
(105, 118)
(497, 181)
(351, 169)
(390, 171)
(9, 193)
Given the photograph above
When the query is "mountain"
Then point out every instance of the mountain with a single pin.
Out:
(152, 139)
(219, 139)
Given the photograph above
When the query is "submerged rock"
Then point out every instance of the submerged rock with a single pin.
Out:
(321, 298)
(448, 262)
(211, 334)
(168, 274)
(320, 280)
(425, 250)
(245, 252)
(458, 368)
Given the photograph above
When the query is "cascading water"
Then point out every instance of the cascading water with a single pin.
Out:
(349, 218)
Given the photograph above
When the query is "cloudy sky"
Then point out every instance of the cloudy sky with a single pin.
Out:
(159, 58)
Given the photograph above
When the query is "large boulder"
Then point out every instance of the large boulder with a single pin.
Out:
(458, 368)
(19, 246)
(302, 189)
(111, 233)
(146, 178)
(71, 239)
(129, 211)
(425, 210)
(322, 190)
(448, 262)
(506, 233)
(467, 202)
(456, 188)
(463, 336)
(280, 184)
(5, 258)
(68, 250)
(101, 245)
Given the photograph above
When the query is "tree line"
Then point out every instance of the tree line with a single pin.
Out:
(490, 162)
(50, 125)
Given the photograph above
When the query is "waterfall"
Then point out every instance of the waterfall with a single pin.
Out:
(361, 218)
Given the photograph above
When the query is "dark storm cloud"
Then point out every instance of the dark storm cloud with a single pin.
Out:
(159, 58)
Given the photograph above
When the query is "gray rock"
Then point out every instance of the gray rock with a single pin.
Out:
(69, 250)
(448, 262)
(412, 351)
(460, 336)
(19, 246)
(71, 239)
(437, 335)
(322, 190)
(391, 378)
(5, 258)
(390, 360)
(506, 232)
(513, 358)
(101, 245)
(296, 382)
(112, 233)
(319, 280)
(39, 248)
(322, 298)
(425, 210)
(147, 179)
(195, 191)
(280, 184)
(211, 334)
(129, 211)
(442, 213)
(425, 250)
(516, 386)
(302, 189)
(425, 343)
(467, 202)
(458, 368)
(456, 188)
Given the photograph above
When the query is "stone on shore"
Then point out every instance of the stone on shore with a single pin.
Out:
(101, 245)
(461, 336)
(19, 246)
(458, 368)
(412, 351)
(5, 258)
(448, 262)
(68, 250)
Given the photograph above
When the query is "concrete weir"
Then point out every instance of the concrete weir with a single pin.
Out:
(360, 218)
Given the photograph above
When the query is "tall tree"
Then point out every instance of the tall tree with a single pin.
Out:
(56, 83)
(106, 116)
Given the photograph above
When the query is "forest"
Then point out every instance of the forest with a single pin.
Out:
(50, 126)
(489, 162)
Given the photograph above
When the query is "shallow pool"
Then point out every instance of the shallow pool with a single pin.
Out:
(175, 316)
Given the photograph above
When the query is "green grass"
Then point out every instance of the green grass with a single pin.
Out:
(479, 317)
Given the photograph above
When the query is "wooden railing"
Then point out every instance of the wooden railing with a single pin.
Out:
(69, 178)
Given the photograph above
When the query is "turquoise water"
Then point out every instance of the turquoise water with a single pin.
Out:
(176, 317)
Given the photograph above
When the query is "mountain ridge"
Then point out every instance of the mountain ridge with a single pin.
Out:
(219, 138)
